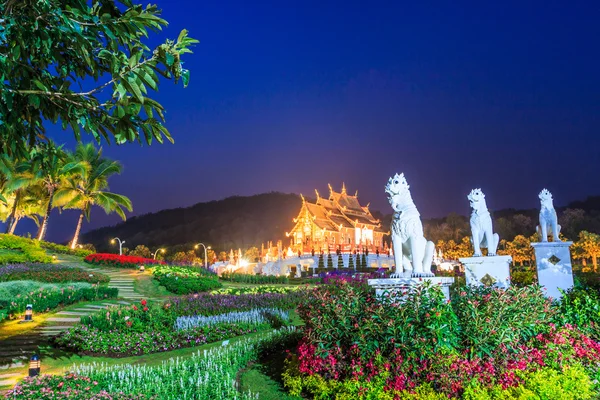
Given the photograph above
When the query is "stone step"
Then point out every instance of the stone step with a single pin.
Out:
(9, 375)
(96, 307)
(55, 327)
(55, 319)
(18, 364)
(72, 313)
(8, 382)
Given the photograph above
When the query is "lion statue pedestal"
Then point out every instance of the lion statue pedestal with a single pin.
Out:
(553, 259)
(487, 271)
(397, 288)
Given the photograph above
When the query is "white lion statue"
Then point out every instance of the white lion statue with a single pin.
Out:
(548, 219)
(413, 254)
(481, 225)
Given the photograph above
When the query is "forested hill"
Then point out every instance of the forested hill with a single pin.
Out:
(234, 222)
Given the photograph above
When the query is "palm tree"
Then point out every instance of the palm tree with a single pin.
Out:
(52, 165)
(86, 189)
(16, 177)
(31, 205)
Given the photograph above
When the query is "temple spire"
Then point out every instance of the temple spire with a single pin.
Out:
(330, 190)
(317, 193)
(343, 188)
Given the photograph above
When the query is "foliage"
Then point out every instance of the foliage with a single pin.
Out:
(519, 249)
(60, 249)
(115, 260)
(177, 285)
(589, 243)
(26, 250)
(186, 280)
(15, 295)
(145, 328)
(185, 257)
(51, 50)
(49, 273)
(256, 279)
(141, 251)
(491, 317)
(89, 187)
(210, 374)
(68, 386)
(259, 290)
(253, 317)
(581, 307)
(252, 254)
(209, 304)
(571, 383)
(354, 340)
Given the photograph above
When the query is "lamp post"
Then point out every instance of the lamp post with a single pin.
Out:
(120, 245)
(34, 365)
(205, 258)
(156, 252)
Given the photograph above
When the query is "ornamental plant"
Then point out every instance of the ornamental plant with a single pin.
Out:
(186, 280)
(485, 342)
(255, 279)
(49, 273)
(119, 261)
(15, 295)
(23, 251)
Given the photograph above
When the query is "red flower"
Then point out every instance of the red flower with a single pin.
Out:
(144, 302)
(145, 308)
(135, 308)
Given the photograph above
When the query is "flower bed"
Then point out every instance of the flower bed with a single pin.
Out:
(486, 343)
(256, 279)
(211, 374)
(253, 317)
(15, 295)
(209, 304)
(118, 261)
(145, 328)
(21, 250)
(259, 290)
(186, 280)
(49, 273)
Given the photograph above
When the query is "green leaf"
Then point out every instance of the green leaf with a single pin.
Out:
(185, 77)
(169, 59)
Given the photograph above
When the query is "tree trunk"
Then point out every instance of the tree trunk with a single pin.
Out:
(76, 237)
(595, 261)
(44, 224)
(11, 217)
(13, 226)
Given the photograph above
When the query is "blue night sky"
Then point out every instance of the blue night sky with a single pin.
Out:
(290, 96)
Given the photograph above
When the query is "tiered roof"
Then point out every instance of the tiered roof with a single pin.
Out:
(339, 211)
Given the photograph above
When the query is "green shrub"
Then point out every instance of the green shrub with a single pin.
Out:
(581, 307)
(186, 280)
(177, 285)
(21, 250)
(61, 249)
(256, 279)
(15, 295)
(490, 317)
(49, 273)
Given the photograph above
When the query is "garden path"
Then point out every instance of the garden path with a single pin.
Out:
(16, 350)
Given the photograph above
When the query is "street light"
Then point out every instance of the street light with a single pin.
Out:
(205, 258)
(156, 252)
(120, 245)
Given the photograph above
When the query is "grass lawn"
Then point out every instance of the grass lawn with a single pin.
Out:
(254, 380)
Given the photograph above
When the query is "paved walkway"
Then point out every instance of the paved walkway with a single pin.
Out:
(15, 351)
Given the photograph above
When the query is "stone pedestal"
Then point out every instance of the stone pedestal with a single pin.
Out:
(488, 271)
(554, 269)
(394, 285)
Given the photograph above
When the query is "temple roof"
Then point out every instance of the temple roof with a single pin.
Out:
(340, 211)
